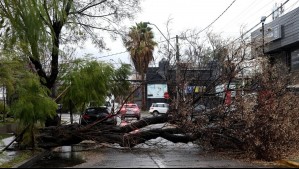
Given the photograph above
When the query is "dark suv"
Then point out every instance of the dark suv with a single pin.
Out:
(93, 114)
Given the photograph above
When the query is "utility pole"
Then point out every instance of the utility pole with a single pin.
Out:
(177, 74)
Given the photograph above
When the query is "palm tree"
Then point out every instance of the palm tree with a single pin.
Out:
(141, 45)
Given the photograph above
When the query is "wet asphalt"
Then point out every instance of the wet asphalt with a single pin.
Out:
(168, 156)
(157, 153)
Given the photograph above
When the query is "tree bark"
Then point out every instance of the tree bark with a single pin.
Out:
(143, 106)
(126, 136)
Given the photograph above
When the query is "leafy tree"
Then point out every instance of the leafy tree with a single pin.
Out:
(29, 101)
(119, 84)
(33, 104)
(92, 81)
(36, 29)
(141, 45)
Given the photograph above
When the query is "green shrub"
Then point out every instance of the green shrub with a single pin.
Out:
(4, 108)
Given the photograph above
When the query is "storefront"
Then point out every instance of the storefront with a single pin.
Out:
(281, 40)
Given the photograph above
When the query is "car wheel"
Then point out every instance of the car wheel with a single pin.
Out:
(155, 113)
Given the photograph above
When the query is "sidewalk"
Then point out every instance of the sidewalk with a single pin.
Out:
(15, 158)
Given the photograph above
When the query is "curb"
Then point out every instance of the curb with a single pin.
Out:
(29, 162)
(289, 163)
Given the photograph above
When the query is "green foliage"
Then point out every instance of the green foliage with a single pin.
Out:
(92, 82)
(88, 82)
(27, 28)
(33, 104)
(7, 69)
(3, 108)
(36, 29)
(141, 45)
(30, 101)
(119, 84)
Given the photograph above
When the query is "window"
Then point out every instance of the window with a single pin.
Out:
(295, 60)
(161, 105)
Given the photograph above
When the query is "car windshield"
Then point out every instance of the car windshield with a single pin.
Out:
(159, 105)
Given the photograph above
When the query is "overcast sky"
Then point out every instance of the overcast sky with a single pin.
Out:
(196, 14)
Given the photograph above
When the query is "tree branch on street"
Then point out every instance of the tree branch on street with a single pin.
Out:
(125, 136)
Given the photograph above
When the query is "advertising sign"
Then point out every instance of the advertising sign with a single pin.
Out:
(220, 90)
(156, 90)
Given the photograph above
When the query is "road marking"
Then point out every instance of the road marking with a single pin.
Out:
(158, 161)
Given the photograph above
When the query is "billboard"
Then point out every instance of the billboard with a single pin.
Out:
(156, 90)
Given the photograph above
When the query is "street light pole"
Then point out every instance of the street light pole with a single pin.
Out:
(161, 34)
(177, 74)
(263, 19)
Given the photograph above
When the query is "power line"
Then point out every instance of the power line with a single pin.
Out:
(249, 7)
(186, 38)
(217, 18)
(260, 21)
(290, 8)
(174, 37)
(254, 26)
(210, 26)
(112, 54)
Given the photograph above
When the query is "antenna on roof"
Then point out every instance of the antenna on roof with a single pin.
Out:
(277, 11)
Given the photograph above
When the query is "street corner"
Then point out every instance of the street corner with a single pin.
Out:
(290, 163)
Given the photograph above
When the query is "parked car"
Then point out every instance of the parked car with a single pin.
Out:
(130, 110)
(93, 114)
(158, 108)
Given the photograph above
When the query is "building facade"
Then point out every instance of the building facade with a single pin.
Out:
(281, 41)
(197, 82)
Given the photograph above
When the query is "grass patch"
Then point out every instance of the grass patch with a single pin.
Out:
(6, 135)
(20, 157)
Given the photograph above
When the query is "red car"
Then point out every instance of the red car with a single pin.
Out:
(130, 110)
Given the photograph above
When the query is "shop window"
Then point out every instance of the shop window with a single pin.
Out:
(295, 60)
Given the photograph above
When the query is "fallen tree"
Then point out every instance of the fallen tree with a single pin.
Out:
(125, 136)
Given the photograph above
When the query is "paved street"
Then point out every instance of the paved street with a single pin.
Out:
(158, 156)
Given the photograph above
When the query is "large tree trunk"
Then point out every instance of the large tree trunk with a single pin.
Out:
(126, 136)
(143, 107)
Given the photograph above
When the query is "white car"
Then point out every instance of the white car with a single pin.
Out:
(158, 108)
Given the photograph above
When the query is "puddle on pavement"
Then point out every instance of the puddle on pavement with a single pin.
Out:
(9, 154)
(65, 156)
